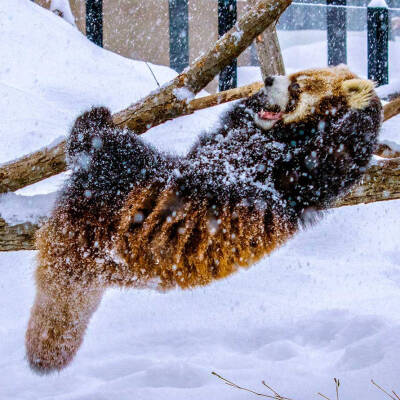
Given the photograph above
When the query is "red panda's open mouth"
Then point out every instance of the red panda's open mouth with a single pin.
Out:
(269, 115)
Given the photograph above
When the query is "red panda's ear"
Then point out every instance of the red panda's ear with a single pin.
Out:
(358, 92)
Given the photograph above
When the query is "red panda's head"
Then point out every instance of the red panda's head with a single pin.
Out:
(296, 97)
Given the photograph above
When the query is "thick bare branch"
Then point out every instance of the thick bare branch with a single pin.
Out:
(269, 52)
(381, 182)
(224, 97)
(17, 237)
(391, 109)
(32, 168)
(385, 151)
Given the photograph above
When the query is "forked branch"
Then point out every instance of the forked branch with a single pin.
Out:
(168, 102)
(380, 182)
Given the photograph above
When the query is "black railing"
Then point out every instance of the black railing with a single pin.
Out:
(378, 47)
(178, 34)
(336, 15)
(227, 16)
(94, 21)
(336, 32)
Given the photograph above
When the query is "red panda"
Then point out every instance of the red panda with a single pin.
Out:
(132, 216)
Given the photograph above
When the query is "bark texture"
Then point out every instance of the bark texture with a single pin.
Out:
(392, 108)
(17, 237)
(381, 182)
(32, 168)
(224, 97)
(385, 151)
(269, 52)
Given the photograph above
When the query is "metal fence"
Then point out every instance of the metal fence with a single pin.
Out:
(336, 16)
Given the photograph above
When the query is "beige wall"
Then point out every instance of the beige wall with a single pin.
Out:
(203, 27)
(139, 29)
(78, 8)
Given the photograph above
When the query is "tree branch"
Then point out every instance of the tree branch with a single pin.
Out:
(269, 52)
(391, 109)
(224, 97)
(384, 150)
(17, 237)
(32, 168)
(164, 104)
(380, 183)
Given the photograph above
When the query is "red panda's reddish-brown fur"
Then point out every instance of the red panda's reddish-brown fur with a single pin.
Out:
(131, 216)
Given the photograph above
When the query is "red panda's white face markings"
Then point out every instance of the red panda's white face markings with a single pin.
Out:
(293, 98)
(276, 91)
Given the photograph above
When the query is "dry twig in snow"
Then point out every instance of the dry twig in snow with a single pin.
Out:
(275, 395)
(393, 396)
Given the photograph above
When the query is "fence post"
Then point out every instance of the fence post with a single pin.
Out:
(227, 16)
(336, 32)
(94, 21)
(178, 34)
(378, 36)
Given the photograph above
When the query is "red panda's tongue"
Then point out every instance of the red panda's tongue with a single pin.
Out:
(270, 115)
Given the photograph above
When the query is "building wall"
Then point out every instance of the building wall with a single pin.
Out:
(78, 8)
(137, 29)
(140, 29)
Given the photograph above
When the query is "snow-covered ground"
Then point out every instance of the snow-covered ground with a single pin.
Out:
(323, 306)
